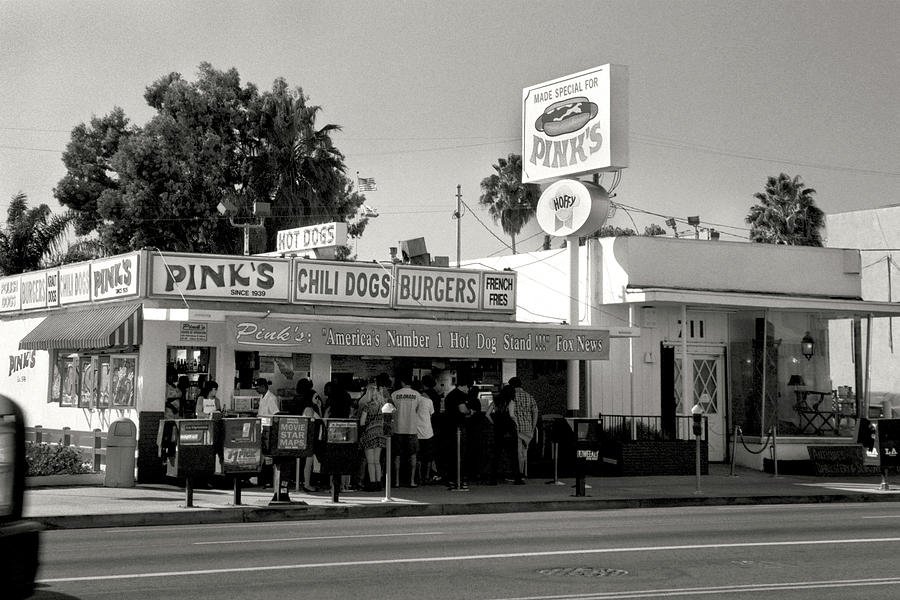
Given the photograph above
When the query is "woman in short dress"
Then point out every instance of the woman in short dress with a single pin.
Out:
(371, 421)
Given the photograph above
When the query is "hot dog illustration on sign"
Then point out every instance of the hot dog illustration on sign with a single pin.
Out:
(566, 116)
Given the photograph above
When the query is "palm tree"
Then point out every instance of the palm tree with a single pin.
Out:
(296, 166)
(787, 214)
(509, 201)
(35, 238)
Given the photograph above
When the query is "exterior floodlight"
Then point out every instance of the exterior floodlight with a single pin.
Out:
(693, 221)
(262, 209)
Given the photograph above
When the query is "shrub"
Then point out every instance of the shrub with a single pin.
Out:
(44, 459)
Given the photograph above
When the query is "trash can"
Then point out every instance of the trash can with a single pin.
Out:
(121, 441)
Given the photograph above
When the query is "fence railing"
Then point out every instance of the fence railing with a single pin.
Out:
(91, 443)
(650, 427)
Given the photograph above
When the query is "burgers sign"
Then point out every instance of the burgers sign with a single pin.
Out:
(575, 125)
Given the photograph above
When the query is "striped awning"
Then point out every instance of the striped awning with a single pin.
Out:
(96, 328)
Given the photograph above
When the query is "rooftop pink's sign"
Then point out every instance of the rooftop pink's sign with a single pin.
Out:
(575, 125)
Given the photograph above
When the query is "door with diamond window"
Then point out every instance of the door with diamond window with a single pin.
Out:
(707, 388)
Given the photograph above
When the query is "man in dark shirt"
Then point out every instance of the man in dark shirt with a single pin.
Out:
(456, 410)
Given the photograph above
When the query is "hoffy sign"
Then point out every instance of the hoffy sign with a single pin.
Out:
(572, 208)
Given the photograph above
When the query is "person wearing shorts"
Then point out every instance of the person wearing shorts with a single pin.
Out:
(405, 438)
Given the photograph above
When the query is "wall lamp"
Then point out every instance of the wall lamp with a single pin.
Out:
(807, 346)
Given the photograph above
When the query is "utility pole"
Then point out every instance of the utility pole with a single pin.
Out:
(458, 223)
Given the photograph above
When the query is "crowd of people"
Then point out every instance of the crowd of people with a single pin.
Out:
(451, 440)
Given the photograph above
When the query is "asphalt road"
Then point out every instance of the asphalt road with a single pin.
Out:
(791, 551)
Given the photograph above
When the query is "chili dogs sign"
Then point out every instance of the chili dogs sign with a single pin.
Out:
(444, 340)
(575, 125)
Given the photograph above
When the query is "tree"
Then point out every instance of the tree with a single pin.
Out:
(509, 201)
(787, 214)
(210, 140)
(89, 172)
(34, 238)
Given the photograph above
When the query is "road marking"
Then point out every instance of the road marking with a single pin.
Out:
(725, 589)
(319, 537)
(882, 517)
(426, 559)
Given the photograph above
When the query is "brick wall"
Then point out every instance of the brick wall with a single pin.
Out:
(670, 457)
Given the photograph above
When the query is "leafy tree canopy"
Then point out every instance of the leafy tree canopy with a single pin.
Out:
(786, 214)
(210, 140)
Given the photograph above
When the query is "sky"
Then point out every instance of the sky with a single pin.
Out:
(722, 95)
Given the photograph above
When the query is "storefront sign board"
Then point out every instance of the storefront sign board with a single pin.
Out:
(194, 332)
(301, 239)
(115, 277)
(438, 340)
(341, 283)
(445, 289)
(220, 277)
(10, 298)
(75, 283)
(33, 290)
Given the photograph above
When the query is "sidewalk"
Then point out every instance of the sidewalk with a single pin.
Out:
(95, 506)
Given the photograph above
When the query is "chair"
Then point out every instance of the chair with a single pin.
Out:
(814, 420)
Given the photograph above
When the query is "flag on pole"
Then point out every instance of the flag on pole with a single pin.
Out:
(366, 184)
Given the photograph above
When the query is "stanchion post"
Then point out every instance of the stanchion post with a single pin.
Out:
(237, 491)
(387, 471)
(737, 431)
(774, 452)
(697, 416)
(459, 486)
(387, 412)
(297, 475)
(188, 493)
(554, 449)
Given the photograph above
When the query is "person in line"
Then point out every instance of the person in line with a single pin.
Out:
(524, 412)
(188, 404)
(307, 408)
(268, 404)
(456, 412)
(208, 400)
(338, 405)
(306, 394)
(372, 423)
(505, 437)
(405, 436)
(172, 408)
(425, 430)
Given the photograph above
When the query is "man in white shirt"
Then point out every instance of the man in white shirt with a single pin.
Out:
(405, 438)
(268, 404)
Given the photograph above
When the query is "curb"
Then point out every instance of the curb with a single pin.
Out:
(258, 514)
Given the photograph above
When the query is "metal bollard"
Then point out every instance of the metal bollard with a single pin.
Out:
(387, 471)
(188, 493)
(555, 451)
(737, 432)
(459, 486)
(774, 451)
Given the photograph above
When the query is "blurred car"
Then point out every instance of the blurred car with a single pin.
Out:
(19, 539)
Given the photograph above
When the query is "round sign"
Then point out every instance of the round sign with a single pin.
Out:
(569, 207)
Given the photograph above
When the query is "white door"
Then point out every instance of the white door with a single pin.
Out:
(707, 377)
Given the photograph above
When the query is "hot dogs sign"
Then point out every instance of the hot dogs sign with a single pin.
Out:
(575, 125)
